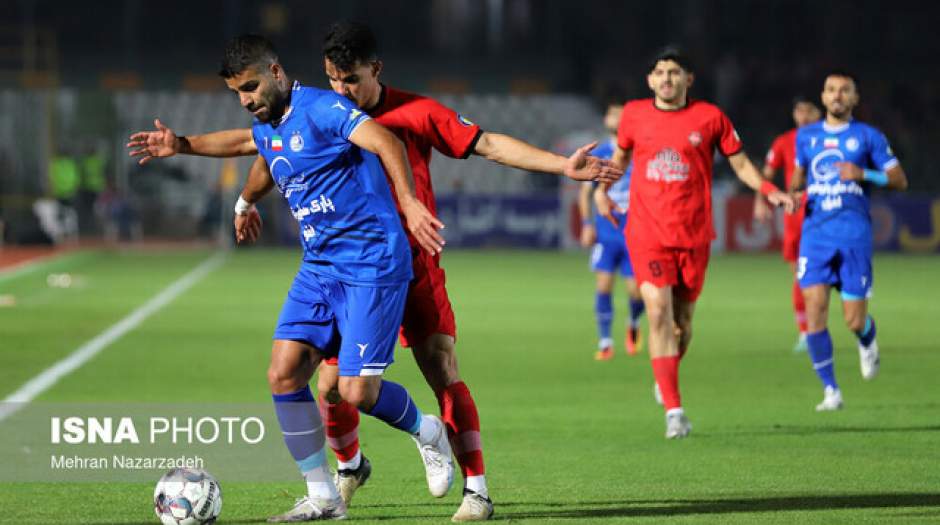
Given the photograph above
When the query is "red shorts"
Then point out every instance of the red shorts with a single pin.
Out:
(681, 268)
(792, 226)
(427, 308)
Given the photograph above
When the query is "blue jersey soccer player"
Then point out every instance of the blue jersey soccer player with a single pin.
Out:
(349, 294)
(841, 160)
(609, 253)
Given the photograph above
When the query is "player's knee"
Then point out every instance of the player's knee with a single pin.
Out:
(360, 394)
(658, 314)
(282, 380)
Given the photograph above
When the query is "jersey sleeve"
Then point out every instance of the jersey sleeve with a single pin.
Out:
(882, 157)
(625, 129)
(775, 156)
(729, 143)
(337, 115)
(448, 132)
(799, 159)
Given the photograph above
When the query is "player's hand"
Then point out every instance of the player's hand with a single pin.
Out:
(248, 226)
(588, 235)
(423, 225)
(581, 166)
(762, 212)
(779, 198)
(606, 206)
(149, 145)
(850, 171)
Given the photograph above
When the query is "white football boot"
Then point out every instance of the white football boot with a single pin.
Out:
(435, 453)
(349, 480)
(473, 508)
(869, 359)
(677, 425)
(832, 400)
(311, 509)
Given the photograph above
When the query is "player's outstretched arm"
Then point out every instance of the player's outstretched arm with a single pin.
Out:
(892, 178)
(513, 152)
(163, 142)
(588, 233)
(373, 137)
(763, 212)
(748, 174)
(247, 219)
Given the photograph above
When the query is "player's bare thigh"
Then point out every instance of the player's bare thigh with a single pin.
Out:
(292, 365)
(660, 316)
(605, 282)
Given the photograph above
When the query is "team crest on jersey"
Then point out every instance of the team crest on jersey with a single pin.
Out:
(464, 120)
(851, 144)
(695, 138)
(296, 142)
(277, 144)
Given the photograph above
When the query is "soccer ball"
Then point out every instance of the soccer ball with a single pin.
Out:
(187, 497)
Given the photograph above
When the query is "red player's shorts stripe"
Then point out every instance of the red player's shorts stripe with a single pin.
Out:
(682, 268)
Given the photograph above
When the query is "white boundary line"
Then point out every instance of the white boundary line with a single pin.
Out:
(50, 376)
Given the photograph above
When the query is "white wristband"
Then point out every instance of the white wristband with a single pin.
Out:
(242, 206)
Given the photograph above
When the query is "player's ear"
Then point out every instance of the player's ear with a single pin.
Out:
(649, 82)
(691, 80)
(377, 68)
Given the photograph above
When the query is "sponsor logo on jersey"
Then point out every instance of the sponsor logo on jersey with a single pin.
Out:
(851, 144)
(695, 138)
(667, 166)
(292, 187)
(277, 144)
(296, 142)
(464, 120)
(831, 142)
(322, 205)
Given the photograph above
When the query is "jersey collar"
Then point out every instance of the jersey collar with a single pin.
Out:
(836, 129)
(688, 102)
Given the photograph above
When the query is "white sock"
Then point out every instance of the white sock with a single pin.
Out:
(320, 484)
(352, 464)
(427, 431)
(604, 343)
(477, 484)
(677, 410)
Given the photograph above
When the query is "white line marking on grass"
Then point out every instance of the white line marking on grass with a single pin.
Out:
(50, 376)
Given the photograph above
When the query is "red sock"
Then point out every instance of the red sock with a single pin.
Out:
(459, 413)
(342, 428)
(666, 372)
(799, 307)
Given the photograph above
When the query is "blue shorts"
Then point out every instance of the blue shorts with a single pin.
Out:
(847, 269)
(609, 255)
(359, 324)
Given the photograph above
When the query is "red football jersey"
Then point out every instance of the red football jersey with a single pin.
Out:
(671, 185)
(782, 154)
(422, 123)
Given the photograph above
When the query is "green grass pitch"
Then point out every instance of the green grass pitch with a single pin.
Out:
(566, 439)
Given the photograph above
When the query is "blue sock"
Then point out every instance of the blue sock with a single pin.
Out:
(819, 348)
(604, 309)
(636, 310)
(302, 428)
(867, 335)
(395, 407)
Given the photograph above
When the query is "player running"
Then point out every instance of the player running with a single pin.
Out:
(841, 160)
(349, 294)
(609, 253)
(781, 156)
(428, 327)
(672, 140)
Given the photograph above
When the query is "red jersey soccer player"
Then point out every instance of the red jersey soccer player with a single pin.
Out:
(782, 155)
(672, 140)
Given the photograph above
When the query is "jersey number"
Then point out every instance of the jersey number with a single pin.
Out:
(655, 268)
(801, 267)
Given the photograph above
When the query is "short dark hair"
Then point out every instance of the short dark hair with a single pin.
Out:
(674, 53)
(842, 73)
(347, 43)
(245, 51)
(802, 99)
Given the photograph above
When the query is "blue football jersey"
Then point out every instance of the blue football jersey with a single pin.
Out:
(837, 211)
(619, 193)
(349, 227)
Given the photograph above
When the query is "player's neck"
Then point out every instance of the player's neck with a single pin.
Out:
(375, 100)
(833, 121)
(673, 105)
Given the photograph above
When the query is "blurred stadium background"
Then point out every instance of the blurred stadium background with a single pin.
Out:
(74, 82)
